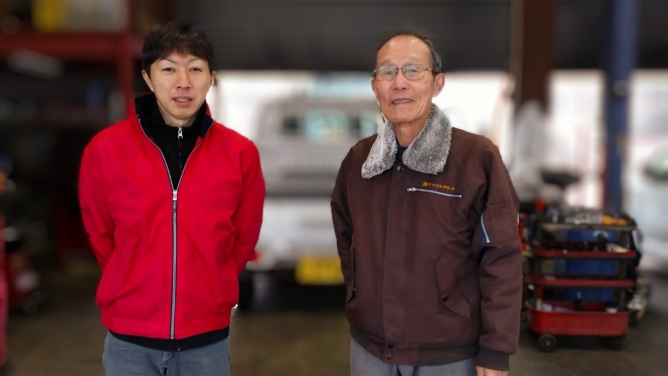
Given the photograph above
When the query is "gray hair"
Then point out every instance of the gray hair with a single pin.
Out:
(435, 59)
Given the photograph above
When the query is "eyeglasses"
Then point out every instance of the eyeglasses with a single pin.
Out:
(389, 72)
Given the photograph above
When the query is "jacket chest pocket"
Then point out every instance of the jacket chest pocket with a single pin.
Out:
(434, 214)
(435, 192)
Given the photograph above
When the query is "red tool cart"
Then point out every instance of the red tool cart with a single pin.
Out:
(581, 278)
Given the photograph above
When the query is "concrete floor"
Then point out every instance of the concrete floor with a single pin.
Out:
(299, 331)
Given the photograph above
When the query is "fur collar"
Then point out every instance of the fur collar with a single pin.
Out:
(427, 153)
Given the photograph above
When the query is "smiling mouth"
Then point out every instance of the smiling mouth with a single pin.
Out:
(183, 100)
(401, 101)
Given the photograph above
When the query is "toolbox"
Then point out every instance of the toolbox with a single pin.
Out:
(580, 276)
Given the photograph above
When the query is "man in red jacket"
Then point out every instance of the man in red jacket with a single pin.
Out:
(172, 203)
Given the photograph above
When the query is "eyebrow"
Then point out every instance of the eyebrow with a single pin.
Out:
(174, 62)
(412, 58)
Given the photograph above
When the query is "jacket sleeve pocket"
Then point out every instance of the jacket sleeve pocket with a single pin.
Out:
(499, 223)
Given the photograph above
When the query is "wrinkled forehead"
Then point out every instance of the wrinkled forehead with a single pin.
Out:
(403, 50)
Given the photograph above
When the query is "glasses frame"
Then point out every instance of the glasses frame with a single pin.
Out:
(403, 71)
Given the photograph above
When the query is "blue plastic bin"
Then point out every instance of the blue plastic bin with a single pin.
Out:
(589, 294)
(591, 267)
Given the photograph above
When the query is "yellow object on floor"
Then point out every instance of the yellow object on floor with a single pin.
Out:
(319, 271)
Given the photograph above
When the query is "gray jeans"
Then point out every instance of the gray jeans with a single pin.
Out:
(122, 358)
(362, 363)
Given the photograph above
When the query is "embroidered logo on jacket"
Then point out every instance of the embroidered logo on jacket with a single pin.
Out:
(443, 187)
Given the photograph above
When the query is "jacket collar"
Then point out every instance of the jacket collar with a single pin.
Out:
(427, 153)
(146, 108)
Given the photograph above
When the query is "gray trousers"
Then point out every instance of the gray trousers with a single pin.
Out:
(122, 358)
(363, 363)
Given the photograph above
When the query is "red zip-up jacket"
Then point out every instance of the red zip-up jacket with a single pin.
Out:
(170, 257)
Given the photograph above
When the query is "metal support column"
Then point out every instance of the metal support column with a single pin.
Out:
(620, 60)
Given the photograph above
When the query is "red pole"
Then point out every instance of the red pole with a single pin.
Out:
(3, 294)
(125, 54)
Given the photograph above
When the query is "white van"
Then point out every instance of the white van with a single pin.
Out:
(302, 141)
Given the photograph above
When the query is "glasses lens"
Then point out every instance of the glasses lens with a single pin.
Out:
(386, 72)
(413, 72)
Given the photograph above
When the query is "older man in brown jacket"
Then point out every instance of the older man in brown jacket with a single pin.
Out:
(426, 223)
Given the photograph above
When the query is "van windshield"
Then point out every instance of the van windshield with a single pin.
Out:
(330, 126)
(302, 160)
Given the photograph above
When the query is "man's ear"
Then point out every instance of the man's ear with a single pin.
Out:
(213, 78)
(373, 87)
(439, 81)
(147, 79)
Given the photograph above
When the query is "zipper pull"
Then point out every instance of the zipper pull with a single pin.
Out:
(180, 133)
(174, 194)
(412, 189)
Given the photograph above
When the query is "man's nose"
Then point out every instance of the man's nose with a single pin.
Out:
(182, 80)
(400, 82)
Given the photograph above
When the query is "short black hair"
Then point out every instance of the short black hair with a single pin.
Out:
(175, 37)
(435, 58)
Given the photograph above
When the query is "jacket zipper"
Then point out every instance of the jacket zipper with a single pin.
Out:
(179, 137)
(484, 230)
(434, 192)
(175, 193)
(172, 323)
